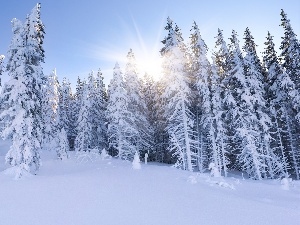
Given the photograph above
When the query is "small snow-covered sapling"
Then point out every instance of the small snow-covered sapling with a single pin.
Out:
(136, 165)
(146, 158)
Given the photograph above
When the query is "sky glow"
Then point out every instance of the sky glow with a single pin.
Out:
(87, 35)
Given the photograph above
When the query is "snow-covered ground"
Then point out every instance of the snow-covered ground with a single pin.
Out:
(111, 192)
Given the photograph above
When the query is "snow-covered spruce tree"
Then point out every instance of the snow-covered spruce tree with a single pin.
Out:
(98, 109)
(226, 104)
(218, 126)
(161, 137)
(22, 94)
(239, 106)
(75, 104)
(149, 94)
(50, 111)
(254, 97)
(84, 139)
(280, 93)
(65, 106)
(290, 59)
(97, 99)
(92, 111)
(180, 119)
(137, 107)
(200, 72)
(120, 130)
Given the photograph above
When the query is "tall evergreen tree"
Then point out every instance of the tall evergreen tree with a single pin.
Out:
(120, 130)
(65, 106)
(23, 94)
(280, 92)
(239, 102)
(223, 99)
(218, 128)
(137, 107)
(290, 57)
(76, 105)
(84, 140)
(50, 110)
(99, 108)
(255, 96)
(161, 136)
(180, 119)
(200, 70)
(148, 93)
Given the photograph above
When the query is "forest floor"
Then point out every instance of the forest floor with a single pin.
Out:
(109, 191)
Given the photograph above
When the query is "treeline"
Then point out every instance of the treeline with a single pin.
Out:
(233, 112)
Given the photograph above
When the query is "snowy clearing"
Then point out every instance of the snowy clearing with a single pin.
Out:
(111, 192)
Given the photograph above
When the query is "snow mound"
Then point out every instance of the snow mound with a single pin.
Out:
(91, 155)
(192, 179)
(16, 172)
(219, 181)
(286, 183)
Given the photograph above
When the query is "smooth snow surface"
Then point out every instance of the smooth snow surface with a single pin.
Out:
(110, 192)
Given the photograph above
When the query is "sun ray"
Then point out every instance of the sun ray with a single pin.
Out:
(146, 51)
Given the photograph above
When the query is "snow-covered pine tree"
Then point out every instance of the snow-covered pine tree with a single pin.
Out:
(65, 106)
(280, 91)
(200, 72)
(240, 111)
(217, 111)
(290, 47)
(92, 111)
(50, 111)
(99, 108)
(84, 139)
(148, 93)
(22, 94)
(137, 107)
(180, 119)
(120, 130)
(76, 104)
(161, 137)
(223, 102)
(97, 99)
(254, 97)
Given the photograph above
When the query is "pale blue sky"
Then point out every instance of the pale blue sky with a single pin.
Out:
(84, 35)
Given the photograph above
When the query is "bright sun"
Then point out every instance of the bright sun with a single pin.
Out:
(149, 64)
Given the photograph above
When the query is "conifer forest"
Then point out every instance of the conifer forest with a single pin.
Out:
(238, 110)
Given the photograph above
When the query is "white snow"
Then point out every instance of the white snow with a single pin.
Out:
(110, 192)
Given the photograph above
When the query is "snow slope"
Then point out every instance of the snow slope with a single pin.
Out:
(111, 192)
